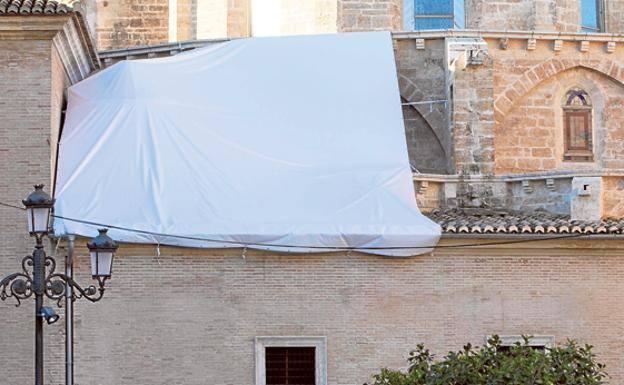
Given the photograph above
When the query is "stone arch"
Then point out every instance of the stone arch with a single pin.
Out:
(531, 137)
(425, 151)
(435, 116)
(544, 71)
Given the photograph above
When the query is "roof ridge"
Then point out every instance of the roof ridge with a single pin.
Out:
(33, 7)
(485, 220)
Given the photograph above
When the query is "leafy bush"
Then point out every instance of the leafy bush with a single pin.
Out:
(570, 364)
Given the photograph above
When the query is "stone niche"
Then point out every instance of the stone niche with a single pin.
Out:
(422, 74)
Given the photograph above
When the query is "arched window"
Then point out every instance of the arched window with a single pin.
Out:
(577, 126)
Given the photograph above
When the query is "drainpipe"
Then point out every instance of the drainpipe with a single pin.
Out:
(69, 314)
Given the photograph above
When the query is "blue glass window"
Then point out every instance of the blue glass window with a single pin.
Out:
(460, 14)
(433, 7)
(434, 14)
(433, 23)
(590, 15)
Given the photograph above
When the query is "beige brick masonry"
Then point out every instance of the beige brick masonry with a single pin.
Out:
(190, 317)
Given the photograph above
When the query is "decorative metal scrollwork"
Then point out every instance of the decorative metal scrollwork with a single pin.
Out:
(55, 284)
(20, 285)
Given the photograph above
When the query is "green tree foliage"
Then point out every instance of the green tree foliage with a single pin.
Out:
(521, 364)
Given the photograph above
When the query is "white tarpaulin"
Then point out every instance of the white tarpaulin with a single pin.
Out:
(288, 144)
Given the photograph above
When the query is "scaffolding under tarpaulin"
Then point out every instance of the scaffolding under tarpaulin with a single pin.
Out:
(290, 144)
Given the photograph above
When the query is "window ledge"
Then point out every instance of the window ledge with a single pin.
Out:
(535, 341)
(320, 343)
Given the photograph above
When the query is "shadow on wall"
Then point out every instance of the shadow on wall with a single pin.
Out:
(426, 153)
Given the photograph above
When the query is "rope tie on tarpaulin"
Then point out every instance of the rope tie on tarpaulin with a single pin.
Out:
(330, 248)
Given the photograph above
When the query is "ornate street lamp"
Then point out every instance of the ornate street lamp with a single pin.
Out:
(39, 277)
(38, 207)
(102, 249)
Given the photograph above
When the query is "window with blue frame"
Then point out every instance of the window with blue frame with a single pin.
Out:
(434, 14)
(591, 15)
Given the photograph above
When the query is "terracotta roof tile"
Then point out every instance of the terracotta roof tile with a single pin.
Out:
(33, 7)
(485, 221)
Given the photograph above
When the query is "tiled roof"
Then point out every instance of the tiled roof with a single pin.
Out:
(485, 221)
(33, 7)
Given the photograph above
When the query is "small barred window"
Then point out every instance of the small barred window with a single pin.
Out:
(290, 366)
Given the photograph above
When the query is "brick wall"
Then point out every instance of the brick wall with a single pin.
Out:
(430, 195)
(366, 15)
(523, 15)
(120, 23)
(473, 119)
(507, 116)
(25, 77)
(615, 16)
(567, 15)
(543, 15)
(190, 317)
(192, 314)
(499, 14)
(538, 196)
(529, 87)
(531, 137)
(613, 197)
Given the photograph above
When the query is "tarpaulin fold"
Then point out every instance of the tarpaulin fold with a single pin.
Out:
(287, 144)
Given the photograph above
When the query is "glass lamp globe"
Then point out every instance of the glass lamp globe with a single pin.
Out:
(38, 208)
(102, 251)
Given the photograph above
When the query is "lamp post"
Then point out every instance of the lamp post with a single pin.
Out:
(39, 277)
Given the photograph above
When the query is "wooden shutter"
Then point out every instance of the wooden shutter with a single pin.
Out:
(290, 365)
(578, 135)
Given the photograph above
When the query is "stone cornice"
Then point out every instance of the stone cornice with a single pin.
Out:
(110, 56)
(454, 178)
(85, 36)
(76, 49)
(68, 33)
(32, 27)
(166, 49)
(521, 35)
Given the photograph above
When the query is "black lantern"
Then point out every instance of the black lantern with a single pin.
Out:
(38, 207)
(102, 250)
(39, 278)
